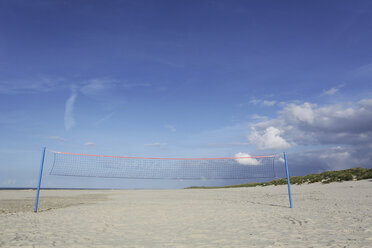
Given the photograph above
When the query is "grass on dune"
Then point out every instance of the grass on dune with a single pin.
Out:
(324, 177)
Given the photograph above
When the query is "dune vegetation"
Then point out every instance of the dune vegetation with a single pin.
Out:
(324, 177)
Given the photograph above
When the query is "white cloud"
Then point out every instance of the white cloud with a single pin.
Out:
(329, 159)
(265, 103)
(97, 86)
(302, 113)
(366, 103)
(246, 159)
(268, 139)
(335, 155)
(56, 138)
(107, 91)
(330, 92)
(90, 144)
(307, 125)
(258, 117)
(69, 110)
(31, 85)
(268, 103)
(155, 144)
(364, 71)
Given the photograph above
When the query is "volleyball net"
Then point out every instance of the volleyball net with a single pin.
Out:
(87, 165)
(241, 166)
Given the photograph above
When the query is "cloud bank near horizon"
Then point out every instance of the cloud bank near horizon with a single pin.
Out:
(332, 136)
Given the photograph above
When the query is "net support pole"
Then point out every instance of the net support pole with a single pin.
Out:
(288, 180)
(40, 176)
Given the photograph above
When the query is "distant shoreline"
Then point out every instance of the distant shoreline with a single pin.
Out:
(24, 188)
(354, 174)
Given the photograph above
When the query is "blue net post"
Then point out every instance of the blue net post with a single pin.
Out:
(288, 180)
(40, 176)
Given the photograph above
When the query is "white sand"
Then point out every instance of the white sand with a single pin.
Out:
(333, 215)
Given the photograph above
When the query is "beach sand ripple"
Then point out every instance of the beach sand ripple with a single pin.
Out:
(332, 215)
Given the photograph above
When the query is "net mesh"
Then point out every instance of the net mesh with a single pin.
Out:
(83, 165)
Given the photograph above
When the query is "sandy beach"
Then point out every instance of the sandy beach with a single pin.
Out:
(332, 215)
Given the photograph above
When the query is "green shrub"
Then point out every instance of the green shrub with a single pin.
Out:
(366, 175)
(324, 177)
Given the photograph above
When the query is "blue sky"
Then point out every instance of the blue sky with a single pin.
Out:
(185, 79)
